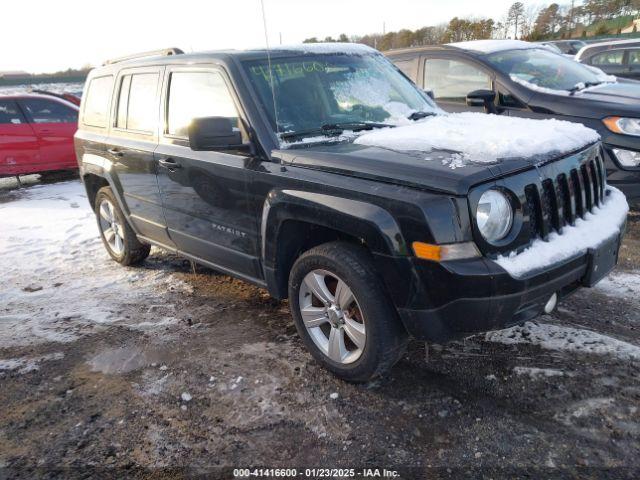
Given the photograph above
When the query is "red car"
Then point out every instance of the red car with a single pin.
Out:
(36, 133)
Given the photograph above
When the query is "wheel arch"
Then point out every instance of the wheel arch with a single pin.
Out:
(295, 221)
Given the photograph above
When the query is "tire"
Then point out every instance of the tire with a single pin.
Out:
(118, 238)
(368, 312)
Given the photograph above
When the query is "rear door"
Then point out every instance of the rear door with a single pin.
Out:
(204, 192)
(54, 122)
(132, 140)
(452, 79)
(19, 149)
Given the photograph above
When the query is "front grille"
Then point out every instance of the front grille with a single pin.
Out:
(560, 198)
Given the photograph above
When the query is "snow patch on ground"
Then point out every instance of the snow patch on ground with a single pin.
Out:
(554, 337)
(535, 372)
(481, 138)
(602, 224)
(28, 364)
(58, 281)
(621, 284)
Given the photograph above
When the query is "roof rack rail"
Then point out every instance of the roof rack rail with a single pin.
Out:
(151, 53)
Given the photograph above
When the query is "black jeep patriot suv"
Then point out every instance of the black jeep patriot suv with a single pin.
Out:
(322, 174)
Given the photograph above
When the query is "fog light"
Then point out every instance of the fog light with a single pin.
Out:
(551, 303)
(627, 158)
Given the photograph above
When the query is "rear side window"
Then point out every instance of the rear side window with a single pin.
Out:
(197, 95)
(41, 110)
(452, 80)
(634, 57)
(96, 105)
(137, 103)
(614, 57)
(10, 114)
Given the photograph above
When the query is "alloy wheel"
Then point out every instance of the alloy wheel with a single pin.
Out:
(332, 316)
(111, 227)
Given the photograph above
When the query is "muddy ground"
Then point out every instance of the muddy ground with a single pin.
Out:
(227, 384)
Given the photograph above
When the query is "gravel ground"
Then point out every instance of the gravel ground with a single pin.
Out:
(173, 372)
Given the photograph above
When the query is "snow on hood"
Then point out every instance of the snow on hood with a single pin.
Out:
(590, 232)
(481, 138)
(492, 46)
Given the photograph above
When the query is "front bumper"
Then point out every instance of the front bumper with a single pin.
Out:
(492, 298)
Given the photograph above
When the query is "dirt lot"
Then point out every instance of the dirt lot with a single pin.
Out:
(162, 372)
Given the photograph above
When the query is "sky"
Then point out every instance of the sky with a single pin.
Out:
(56, 35)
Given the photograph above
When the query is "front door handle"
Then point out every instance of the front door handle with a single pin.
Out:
(115, 152)
(169, 163)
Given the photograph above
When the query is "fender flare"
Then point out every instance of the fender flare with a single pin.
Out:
(362, 220)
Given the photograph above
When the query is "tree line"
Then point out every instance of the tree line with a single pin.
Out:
(530, 22)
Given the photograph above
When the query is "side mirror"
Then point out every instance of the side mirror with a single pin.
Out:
(214, 133)
(430, 93)
(482, 98)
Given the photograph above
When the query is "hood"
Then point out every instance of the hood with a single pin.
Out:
(447, 152)
(619, 98)
(424, 170)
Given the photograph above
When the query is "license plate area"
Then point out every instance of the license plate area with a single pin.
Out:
(601, 261)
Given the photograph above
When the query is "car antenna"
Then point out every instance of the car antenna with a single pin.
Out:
(273, 88)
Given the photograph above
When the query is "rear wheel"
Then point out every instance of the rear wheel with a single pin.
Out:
(343, 313)
(119, 239)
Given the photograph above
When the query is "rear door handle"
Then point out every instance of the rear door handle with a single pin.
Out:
(115, 152)
(169, 163)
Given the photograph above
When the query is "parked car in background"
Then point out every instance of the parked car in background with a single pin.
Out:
(322, 174)
(522, 79)
(615, 57)
(550, 45)
(36, 134)
(568, 47)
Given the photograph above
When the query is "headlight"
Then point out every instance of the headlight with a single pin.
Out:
(494, 216)
(627, 158)
(623, 125)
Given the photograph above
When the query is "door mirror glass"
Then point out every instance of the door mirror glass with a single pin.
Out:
(482, 98)
(214, 133)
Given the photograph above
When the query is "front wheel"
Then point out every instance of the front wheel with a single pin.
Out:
(119, 239)
(343, 313)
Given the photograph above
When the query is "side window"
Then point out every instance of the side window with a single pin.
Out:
(123, 102)
(96, 105)
(408, 67)
(48, 111)
(634, 57)
(452, 80)
(197, 95)
(141, 108)
(613, 57)
(10, 114)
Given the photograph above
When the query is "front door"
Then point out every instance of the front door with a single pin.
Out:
(451, 80)
(204, 192)
(130, 146)
(19, 151)
(633, 63)
(55, 124)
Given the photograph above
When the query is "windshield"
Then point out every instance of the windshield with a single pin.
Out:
(542, 68)
(314, 91)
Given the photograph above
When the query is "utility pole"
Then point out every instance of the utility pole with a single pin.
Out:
(384, 28)
(571, 18)
(280, 38)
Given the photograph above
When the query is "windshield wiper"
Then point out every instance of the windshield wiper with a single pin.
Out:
(332, 129)
(418, 115)
(583, 85)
